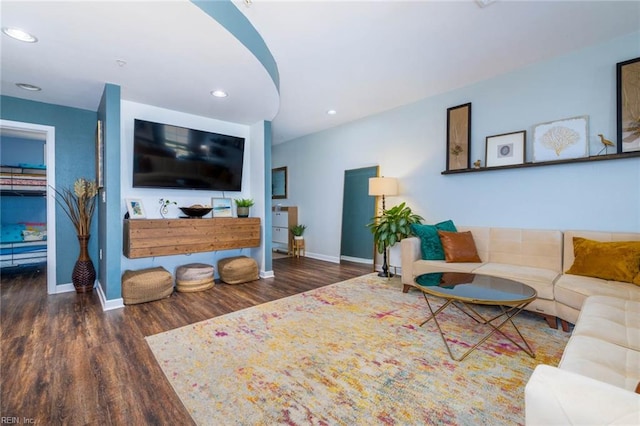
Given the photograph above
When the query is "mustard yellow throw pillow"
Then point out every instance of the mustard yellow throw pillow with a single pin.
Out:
(615, 261)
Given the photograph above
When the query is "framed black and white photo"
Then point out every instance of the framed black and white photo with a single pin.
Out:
(561, 139)
(221, 207)
(135, 208)
(628, 88)
(505, 149)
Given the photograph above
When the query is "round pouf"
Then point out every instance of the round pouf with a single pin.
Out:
(146, 285)
(238, 270)
(194, 277)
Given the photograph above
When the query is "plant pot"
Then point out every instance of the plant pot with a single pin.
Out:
(298, 237)
(243, 211)
(84, 274)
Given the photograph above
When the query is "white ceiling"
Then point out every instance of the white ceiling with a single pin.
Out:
(358, 57)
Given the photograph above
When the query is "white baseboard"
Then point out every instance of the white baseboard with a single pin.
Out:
(326, 258)
(65, 288)
(108, 305)
(267, 274)
(357, 260)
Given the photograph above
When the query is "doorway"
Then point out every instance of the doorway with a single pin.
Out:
(43, 135)
(358, 208)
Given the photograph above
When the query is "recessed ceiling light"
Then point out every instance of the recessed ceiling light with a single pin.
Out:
(19, 34)
(219, 93)
(29, 87)
(332, 112)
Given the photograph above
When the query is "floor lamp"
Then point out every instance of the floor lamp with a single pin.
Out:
(381, 186)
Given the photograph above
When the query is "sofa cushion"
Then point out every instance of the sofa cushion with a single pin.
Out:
(429, 239)
(603, 361)
(459, 247)
(572, 290)
(526, 247)
(611, 319)
(429, 266)
(540, 279)
(616, 261)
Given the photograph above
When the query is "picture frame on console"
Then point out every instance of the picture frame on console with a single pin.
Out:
(505, 149)
(135, 208)
(459, 137)
(628, 105)
(561, 139)
(222, 207)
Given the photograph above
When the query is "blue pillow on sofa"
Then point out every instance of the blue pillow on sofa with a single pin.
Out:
(430, 240)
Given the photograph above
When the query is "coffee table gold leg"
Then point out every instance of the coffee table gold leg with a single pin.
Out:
(435, 320)
(507, 316)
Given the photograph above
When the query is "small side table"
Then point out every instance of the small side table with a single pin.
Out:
(298, 248)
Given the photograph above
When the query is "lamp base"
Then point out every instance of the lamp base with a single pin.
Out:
(385, 274)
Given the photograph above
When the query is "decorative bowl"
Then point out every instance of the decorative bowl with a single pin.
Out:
(195, 212)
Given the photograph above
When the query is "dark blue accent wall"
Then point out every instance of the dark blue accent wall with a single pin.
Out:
(74, 158)
(110, 221)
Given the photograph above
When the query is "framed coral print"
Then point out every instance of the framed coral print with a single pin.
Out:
(459, 137)
(561, 139)
(505, 149)
(135, 208)
(221, 207)
(628, 88)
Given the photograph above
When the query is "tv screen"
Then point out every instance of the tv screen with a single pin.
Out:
(166, 156)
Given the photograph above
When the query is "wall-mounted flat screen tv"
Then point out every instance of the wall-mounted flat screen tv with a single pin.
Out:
(166, 156)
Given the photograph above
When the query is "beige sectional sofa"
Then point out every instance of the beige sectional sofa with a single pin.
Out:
(598, 379)
(537, 258)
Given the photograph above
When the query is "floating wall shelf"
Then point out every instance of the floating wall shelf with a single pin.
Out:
(548, 163)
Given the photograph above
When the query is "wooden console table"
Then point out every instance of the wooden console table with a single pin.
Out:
(166, 237)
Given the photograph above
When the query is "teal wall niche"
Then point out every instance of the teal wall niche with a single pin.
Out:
(74, 158)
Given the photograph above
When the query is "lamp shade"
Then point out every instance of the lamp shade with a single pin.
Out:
(383, 186)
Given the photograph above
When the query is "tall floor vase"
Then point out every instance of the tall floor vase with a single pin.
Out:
(84, 274)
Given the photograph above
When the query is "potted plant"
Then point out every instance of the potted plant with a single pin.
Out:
(298, 231)
(390, 227)
(79, 205)
(243, 205)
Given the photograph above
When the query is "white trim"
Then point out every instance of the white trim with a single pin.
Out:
(50, 141)
(64, 288)
(267, 274)
(108, 305)
(357, 260)
(326, 258)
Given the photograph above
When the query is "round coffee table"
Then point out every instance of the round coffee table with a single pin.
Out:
(464, 290)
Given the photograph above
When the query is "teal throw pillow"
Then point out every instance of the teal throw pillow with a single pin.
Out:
(430, 240)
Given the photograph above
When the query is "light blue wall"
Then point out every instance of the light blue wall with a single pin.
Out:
(75, 157)
(410, 143)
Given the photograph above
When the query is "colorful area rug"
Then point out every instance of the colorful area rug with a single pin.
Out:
(346, 354)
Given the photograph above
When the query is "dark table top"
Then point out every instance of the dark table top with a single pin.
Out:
(475, 288)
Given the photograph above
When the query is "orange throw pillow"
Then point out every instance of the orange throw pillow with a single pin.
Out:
(614, 261)
(459, 247)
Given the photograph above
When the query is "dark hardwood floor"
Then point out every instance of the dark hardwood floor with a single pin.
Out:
(65, 361)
